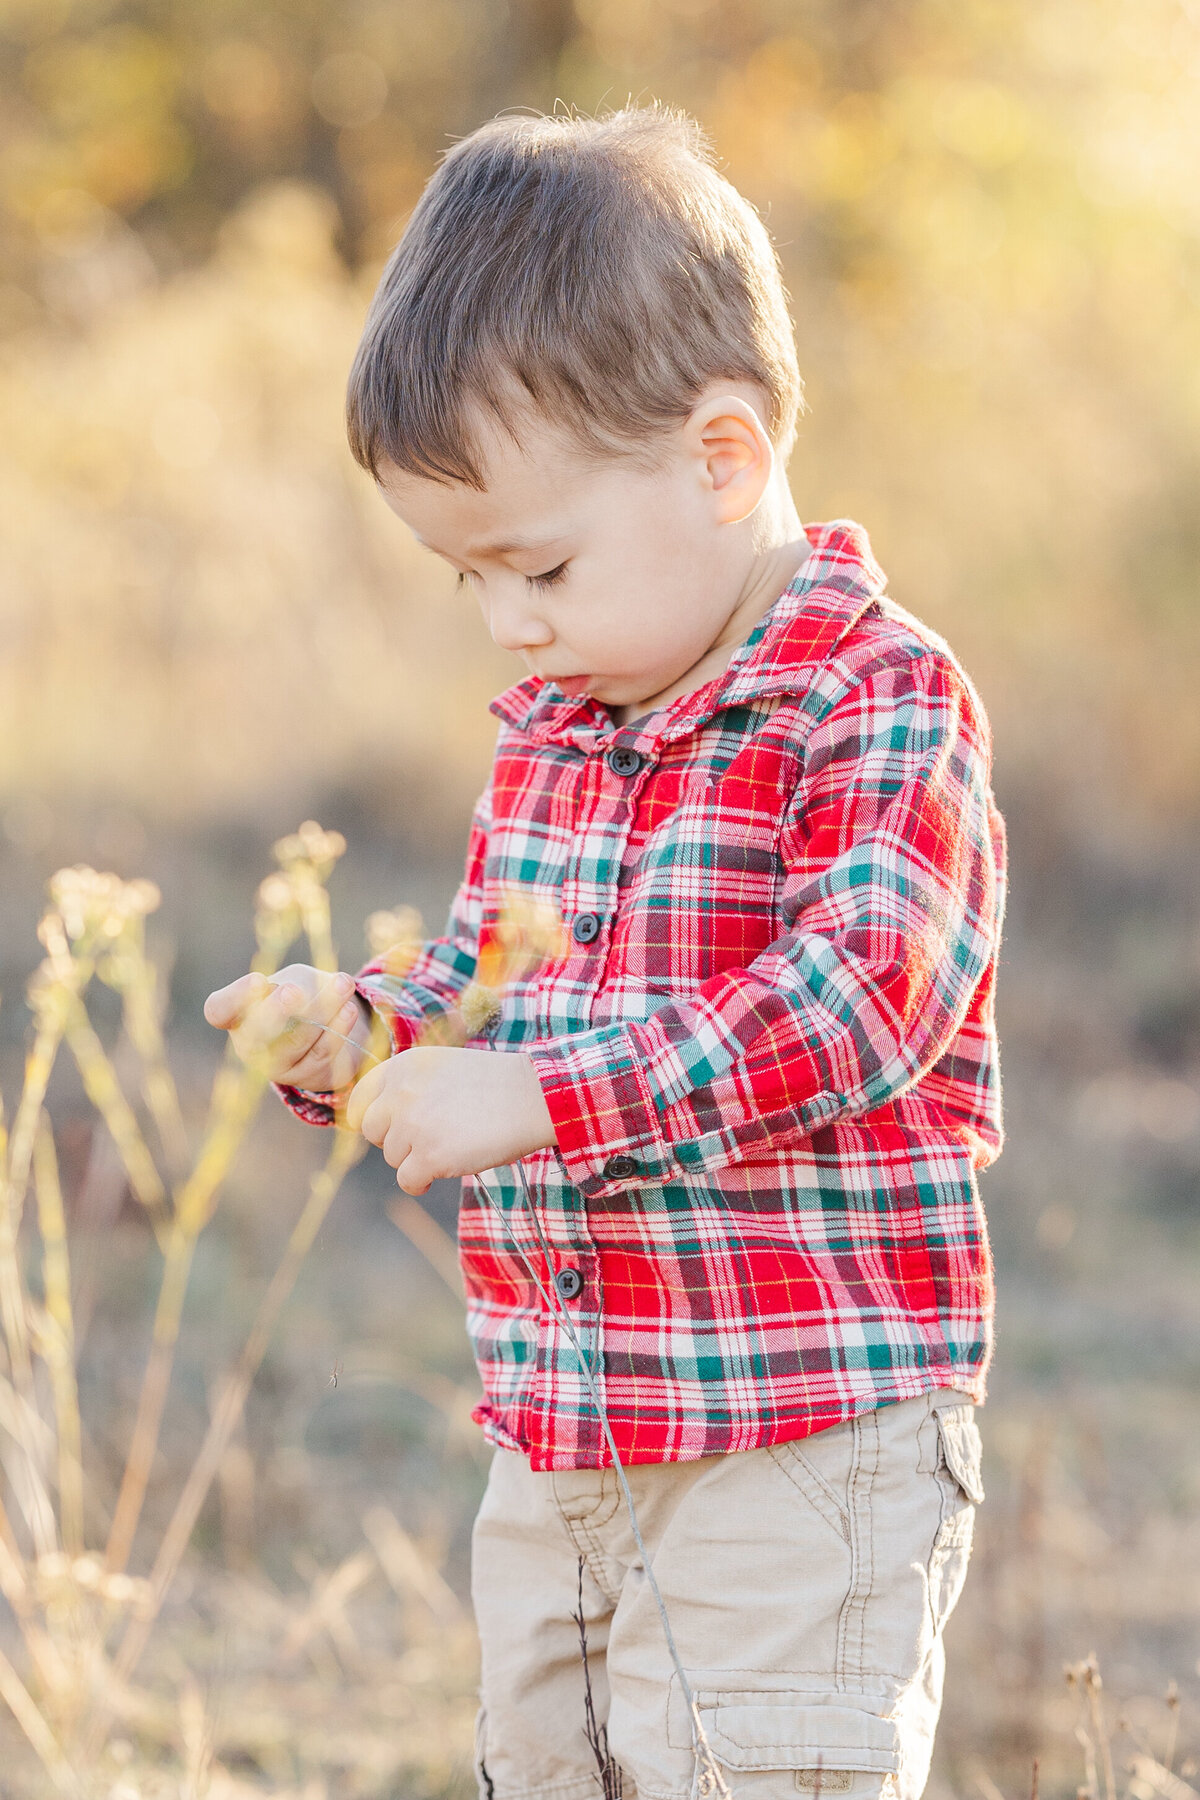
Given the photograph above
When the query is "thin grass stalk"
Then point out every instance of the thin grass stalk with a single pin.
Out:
(1172, 1744)
(38, 1066)
(12, 1563)
(103, 1089)
(318, 928)
(236, 1096)
(60, 1346)
(708, 1778)
(426, 1235)
(348, 1149)
(237, 1093)
(25, 1711)
(1092, 1685)
(15, 1314)
(14, 1585)
(152, 1400)
(144, 1030)
(19, 1155)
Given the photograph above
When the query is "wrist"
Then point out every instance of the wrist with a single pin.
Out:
(535, 1112)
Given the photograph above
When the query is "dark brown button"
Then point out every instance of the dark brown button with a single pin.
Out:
(586, 928)
(625, 761)
(569, 1283)
(620, 1168)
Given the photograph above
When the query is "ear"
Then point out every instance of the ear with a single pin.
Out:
(734, 454)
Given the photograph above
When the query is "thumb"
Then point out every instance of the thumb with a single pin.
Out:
(226, 1007)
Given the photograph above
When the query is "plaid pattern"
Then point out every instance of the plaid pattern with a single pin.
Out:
(771, 1061)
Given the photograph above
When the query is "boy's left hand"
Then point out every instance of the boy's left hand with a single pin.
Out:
(436, 1112)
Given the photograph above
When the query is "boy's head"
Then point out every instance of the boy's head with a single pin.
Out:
(597, 273)
(575, 384)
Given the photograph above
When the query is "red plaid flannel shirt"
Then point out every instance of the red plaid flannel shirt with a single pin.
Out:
(769, 1048)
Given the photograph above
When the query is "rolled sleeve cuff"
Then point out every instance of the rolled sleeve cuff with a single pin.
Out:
(605, 1121)
(404, 1029)
(314, 1109)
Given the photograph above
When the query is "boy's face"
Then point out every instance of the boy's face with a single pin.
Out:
(604, 577)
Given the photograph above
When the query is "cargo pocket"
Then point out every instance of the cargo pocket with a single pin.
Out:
(959, 1476)
(826, 1745)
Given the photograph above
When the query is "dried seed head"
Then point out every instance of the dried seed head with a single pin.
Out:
(95, 908)
(311, 846)
(275, 894)
(477, 1008)
(402, 925)
(394, 938)
(528, 933)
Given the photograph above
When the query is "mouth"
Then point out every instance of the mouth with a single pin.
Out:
(572, 685)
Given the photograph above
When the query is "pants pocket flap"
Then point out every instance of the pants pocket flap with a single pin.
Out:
(962, 1449)
(770, 1731)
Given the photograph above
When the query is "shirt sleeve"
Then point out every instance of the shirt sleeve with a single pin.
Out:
(431, 983)
(892, 911)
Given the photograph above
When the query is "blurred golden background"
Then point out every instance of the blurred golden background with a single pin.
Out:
(989, 218)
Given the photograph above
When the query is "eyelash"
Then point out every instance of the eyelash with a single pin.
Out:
(550, 579)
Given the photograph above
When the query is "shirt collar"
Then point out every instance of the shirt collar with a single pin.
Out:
(834, 585)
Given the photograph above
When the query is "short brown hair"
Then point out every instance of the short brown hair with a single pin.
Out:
(600, 266)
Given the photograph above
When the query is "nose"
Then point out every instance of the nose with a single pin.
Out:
(514, 619)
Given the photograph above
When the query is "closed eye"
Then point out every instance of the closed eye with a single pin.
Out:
(550, 579)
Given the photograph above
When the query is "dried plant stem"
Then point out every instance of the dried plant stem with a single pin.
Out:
(38, 1065)
(427, 1236)
(15, 1588)
(708, 1779)
(104, 1091)
(144, 1030)
(611, 1775)
(14, 1312)
(1092, 1686)
(236, 1096)
(25, 1711)
(18, 1157)
(143, 1444)
(315, 915)
(10, 1559)
(1172, 1701)
(347, 1150)
(60, 1341)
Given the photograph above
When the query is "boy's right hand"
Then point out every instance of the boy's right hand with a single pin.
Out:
(280, 1026)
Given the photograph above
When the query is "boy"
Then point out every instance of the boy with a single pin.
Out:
(750, 1091)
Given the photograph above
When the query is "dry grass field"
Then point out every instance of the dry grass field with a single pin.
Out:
(236, 1462)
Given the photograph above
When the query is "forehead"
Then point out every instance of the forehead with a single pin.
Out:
(534, 489)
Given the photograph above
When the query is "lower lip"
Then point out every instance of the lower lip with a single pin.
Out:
(573, 685)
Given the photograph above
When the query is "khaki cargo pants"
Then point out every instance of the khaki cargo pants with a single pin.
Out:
(807, 1585)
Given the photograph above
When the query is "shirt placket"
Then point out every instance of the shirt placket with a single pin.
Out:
(606, 799)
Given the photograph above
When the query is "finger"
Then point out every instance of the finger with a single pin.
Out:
(226, 1006)
(411, 1177)
(396, 1145)
(332, 998)
(273, 1036)
(281, 1015)
(378, 1120)
(317, 1031)
(362, 1094)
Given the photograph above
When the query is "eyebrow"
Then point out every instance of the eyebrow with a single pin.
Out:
(508, 547)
